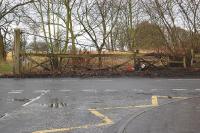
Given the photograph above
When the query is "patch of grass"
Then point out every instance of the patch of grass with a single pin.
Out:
(5, 68)
(9, 57)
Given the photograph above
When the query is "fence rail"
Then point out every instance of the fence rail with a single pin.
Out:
(43, 60)
(77, 55)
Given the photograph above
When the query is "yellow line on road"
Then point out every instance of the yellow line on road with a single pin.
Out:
(126, 107)
(62, 129)
(144, 106)
(105, 121)
(104, 118)
(154, 100)
(71, 128)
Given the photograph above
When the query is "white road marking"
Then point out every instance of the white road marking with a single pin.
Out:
(197, 89)
(5, 115)
(34, 99)
(110, 90)
(41, 91)
(18, 90)
(155, 89)
(26, 104)
(138, 90)
(90, 90)
(65, 90)
(15, 91)
(179, 89)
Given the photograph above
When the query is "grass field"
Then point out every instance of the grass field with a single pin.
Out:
(7, 67)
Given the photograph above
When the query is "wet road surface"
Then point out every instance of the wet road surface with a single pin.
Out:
(82, 105)
(176, 117)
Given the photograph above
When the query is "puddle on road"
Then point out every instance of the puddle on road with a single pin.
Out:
(56, 103)
(96, 102)
(2, 115)
(55, 99)
(144, 93)
(169, 97)
(21, 100)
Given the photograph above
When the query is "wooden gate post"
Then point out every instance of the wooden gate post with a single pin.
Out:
(192, 57)
(1, 48)
(184, 62)
(17, 49)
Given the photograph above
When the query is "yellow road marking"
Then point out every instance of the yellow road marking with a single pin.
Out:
(71, 128)
(62, 129)
(144, 106)
(105, 121)
(104, 118)
(154, 100)
(126, 107)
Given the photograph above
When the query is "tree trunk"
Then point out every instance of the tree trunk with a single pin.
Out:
(2, 50)
(99, 59)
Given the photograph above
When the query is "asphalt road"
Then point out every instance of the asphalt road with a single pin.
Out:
(82, 105)
(176, 117)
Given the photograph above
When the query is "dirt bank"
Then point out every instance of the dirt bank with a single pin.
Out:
(159, 73)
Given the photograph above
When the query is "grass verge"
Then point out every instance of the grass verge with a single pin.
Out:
(6, 68)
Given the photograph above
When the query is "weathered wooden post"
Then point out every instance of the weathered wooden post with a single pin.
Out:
(192, 57)
(1, 48)
(134, 58)
(184, 62)
(17, 49)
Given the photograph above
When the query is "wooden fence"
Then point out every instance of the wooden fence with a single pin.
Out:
(195, 58)
(21, 57)
(182, 61)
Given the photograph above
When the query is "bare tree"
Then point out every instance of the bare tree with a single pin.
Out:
(163, 13)
(8, 11)
(123, 35)
(190, 16)
(97, 20)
